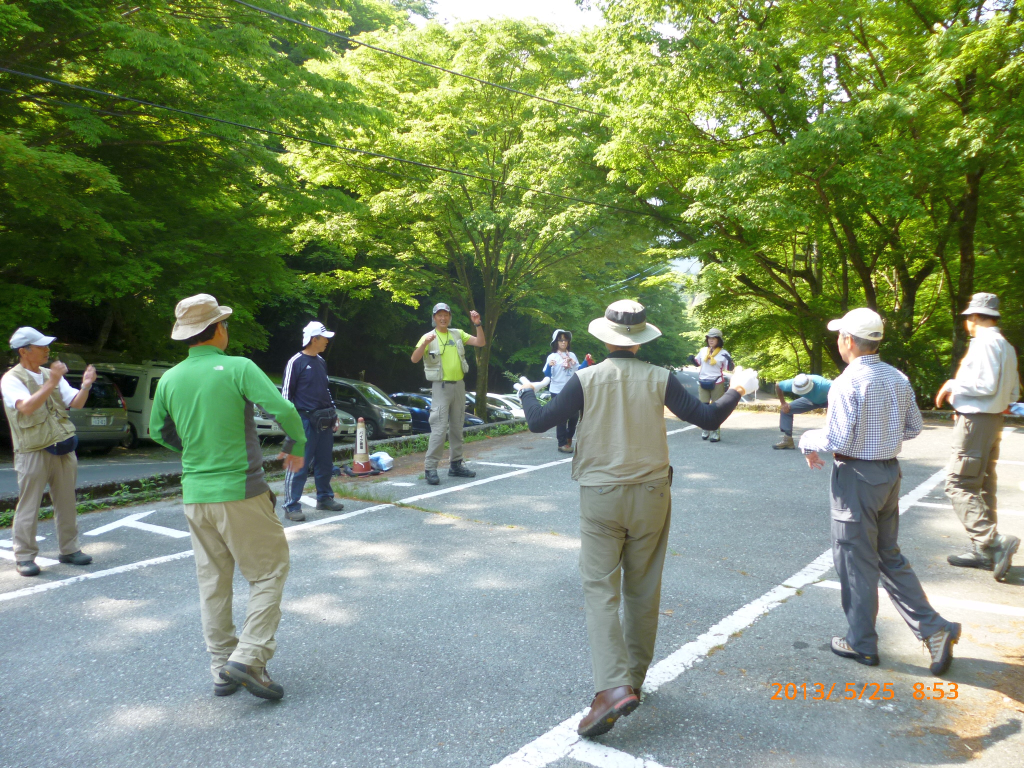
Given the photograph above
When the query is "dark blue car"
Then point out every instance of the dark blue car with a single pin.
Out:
(419, 406)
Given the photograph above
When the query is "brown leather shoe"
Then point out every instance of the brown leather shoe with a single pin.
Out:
(607, 707)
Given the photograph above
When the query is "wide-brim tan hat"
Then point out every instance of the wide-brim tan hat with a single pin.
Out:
(195, 314)
(624, 324)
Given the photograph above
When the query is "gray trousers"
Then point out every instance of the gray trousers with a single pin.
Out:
(865, 526)
(623, 538)
(800, 405)
(447, 415)
(971, 473)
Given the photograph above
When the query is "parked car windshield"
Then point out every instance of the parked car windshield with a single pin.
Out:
(374, 395)
(103, 393)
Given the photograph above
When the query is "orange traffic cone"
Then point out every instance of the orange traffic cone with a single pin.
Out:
(360, 456)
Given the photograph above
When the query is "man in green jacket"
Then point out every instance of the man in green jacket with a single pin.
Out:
(204, 408)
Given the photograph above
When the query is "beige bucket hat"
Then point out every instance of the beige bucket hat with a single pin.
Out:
(624, 324)
(195, 314)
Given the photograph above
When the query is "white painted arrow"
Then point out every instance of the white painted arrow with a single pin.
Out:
(8, 544)
(134, 521)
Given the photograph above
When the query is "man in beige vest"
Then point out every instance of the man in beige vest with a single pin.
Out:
(36, 400)
(621, 463)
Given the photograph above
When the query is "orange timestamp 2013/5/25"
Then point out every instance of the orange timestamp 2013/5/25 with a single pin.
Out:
(863, 691)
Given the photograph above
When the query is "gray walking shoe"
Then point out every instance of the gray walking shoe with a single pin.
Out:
(1002, 550)
(704, 434)
(256, 680)
(977, 557)
(27, 567)
(940, 646)
(784, 443)
(330, 505)
(431, 476)
(842, 648)
(297, 515)
(458, 469)
(716, 436)
(78, 558)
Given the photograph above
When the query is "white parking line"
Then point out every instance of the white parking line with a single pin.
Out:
(134, 521)
(605, 757)
(953, 602)
(561, 740)
(500, 464)
(1001, 511)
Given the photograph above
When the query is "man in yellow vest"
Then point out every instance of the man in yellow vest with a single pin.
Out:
(443, 352)
(621, 463)
(36, 400)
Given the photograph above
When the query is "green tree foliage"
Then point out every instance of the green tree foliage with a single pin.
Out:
(817, 156)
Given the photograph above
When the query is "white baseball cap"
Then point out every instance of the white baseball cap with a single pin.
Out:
(27, 336)
(861, 322)
(313, 328)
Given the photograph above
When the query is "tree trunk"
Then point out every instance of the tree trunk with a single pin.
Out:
(965, 285)
(483, 364)
(105, 329)
(816, 351)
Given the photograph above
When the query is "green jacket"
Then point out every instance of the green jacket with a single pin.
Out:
(203, 409)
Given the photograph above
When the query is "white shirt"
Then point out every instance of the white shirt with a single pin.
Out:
(713, 371)
(13, 390)
(562, 365)
(987, 380)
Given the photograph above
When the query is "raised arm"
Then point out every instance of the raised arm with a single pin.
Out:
(686, 407)
(478, 340)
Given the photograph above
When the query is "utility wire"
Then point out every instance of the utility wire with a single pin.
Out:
(354, 41)
(317, 142)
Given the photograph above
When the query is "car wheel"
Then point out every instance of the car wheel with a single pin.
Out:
(131, 440)
(373, 432)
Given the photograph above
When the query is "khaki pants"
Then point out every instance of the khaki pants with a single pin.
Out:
(710, 395)
(971, 473)
(624, 534)
(36, 470)
(250, 534)
(447, 415)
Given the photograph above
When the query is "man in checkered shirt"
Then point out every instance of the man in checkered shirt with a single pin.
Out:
(871, 411)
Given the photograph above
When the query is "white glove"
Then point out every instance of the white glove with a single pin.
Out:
(537, 385)
(746, 378)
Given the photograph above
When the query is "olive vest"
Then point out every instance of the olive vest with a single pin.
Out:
(432, 367)
(47, 425)
(621, 437)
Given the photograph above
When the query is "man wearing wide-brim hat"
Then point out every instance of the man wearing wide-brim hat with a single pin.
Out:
(621, 464)
(204, 408)
(809, 391)
(986, 383)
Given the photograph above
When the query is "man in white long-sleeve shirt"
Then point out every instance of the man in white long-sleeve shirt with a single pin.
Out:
(986, 384)
(871, 411)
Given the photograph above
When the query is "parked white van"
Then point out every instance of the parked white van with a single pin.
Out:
(137, 382)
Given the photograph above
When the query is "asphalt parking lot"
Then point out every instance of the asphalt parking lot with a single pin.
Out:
(444, 627)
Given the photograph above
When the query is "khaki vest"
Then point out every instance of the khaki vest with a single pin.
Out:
(432, 358)
(47, 425)
(621, 437)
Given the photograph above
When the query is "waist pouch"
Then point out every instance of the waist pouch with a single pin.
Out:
(708, 385)
(63, 447)
(321, 420)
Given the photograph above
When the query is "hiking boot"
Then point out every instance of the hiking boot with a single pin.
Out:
(27, 567)
(785, 443)
(716, 436)
(224, 687)
(607, 707)
(330, 505)
(940, 646)
(431, 476)
(255, 680)
(75, 558)
(1003, 549)
(704, 434)
(567, 448)
(978, 557)
(842, 648)
(295, 514)
(458, 469)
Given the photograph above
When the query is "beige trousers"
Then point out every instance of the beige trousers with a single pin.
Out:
(250, 534)
(624, 534)
(971, 473)
(711, 395)
(447, 415)
(36, 470)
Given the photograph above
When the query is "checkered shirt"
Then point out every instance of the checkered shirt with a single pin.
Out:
(871, 411)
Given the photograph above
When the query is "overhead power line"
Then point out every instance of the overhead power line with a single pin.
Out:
(354, 41)
(317, 142)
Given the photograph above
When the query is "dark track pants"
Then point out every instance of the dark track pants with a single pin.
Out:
(319, 453)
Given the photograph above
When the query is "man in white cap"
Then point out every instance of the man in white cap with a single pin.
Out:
(443, 352)
(986, 384)
(811, 392)
(204, 408)
(36, 400)
(871, 411)
(306, 385)
(621, 464)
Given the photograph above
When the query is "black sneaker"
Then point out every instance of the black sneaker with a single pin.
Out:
(977, 557)
(27, 567)
(75, 558)
(842, 648)
(458, 469)
(330, 505)
(1003, 549)
(255, 680)
(297, 515)
(431, 476)
(940, 646)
